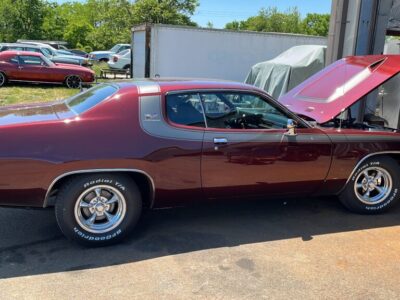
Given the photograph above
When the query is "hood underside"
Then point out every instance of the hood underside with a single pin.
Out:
(332, 90)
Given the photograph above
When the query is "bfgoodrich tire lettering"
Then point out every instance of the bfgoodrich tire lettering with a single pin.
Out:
(374, 187)
(98, 210)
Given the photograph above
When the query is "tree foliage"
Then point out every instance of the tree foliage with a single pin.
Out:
(316, 24)
(97, 24)
(21, 18)
(290, 21)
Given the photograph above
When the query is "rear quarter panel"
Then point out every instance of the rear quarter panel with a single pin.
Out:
(106, 137)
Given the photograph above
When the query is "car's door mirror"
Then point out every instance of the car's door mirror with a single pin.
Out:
(291, 127)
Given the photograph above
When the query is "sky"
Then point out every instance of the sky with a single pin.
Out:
(220, 12)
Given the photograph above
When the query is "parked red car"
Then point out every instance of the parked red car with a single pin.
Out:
(104, 155)
(34, 67)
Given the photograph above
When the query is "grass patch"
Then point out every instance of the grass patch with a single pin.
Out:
(97, 66)
(21, 93)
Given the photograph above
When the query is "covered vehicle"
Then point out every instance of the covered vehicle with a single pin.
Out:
(34, 67)
(165, 143)
(289, 69)
(104, 56)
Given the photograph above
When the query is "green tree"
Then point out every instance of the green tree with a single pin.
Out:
(176, 12)
(316, 24)
(77, 33)
(290, 21)
(54, 22)
(234, 25)
(98, 24)
(21, 19)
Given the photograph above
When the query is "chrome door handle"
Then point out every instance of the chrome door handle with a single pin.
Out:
(220, 141)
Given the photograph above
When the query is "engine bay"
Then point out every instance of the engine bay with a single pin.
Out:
(370, 122)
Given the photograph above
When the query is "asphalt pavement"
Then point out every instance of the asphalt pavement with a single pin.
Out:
(272, 249)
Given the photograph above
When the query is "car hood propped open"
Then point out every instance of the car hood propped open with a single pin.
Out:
(332, 90)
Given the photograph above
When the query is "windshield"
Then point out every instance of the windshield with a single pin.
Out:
(46, 52)
(90, 98)
(115, 48)
(122, 53)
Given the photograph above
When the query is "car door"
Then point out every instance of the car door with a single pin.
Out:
(13, 70)
(32, 68)
(246, 151)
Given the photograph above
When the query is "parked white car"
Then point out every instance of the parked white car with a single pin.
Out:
(105, 56)
(120, 61)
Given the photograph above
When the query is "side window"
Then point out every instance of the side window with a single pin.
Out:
(241, 111)
(32, 49)
(46, 52)
(31, 60)
(14, 60)
(16, 48)
(185, 109)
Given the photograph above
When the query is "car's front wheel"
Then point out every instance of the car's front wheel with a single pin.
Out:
(3, 79)
(374, 187)
(73, 82)
(98, 210)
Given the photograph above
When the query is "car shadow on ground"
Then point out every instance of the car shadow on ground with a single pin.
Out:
(31, 243)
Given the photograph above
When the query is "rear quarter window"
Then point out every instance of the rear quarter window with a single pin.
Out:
(90, 98)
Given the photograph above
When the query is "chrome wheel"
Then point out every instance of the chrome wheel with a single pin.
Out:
(2, 79)
(373, 185)
(100, 209)
(73, 82)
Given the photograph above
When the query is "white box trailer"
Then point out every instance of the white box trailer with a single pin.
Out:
(182, 51)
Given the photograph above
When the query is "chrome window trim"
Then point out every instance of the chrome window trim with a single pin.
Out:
(168, 120)
(264, 96)
(88, 171)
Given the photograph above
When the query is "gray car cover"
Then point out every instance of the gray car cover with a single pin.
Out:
(289, 69)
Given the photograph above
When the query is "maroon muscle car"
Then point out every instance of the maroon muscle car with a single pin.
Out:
(34, 67)
(104, 155)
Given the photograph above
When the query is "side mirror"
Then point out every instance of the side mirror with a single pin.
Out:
(291, 126)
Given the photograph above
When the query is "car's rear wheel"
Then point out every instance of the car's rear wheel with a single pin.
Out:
(3, 79)
(73, 82)
(104, 60)
(374, 187)
(98, 210)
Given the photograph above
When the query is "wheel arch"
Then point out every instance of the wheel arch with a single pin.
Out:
(4, 73)
(393, 154)
(144, 181)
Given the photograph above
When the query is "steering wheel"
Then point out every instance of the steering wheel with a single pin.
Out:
(245, 121)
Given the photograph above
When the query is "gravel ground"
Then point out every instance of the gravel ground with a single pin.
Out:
(304, 248)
